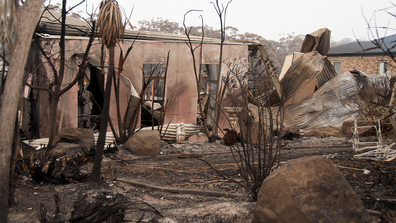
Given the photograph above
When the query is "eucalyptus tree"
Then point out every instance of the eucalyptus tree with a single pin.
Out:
(19, 20)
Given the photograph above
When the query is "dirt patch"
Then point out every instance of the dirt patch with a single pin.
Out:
(179, 168)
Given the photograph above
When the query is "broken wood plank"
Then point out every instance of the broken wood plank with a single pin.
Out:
(181, 191)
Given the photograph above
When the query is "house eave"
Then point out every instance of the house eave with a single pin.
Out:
(360, 54)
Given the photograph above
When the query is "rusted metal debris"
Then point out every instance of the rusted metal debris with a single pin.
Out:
(317, 41)
(308, 73)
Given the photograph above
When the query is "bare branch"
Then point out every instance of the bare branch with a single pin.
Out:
(47, 58)
(75, 6)
(83, 62)
(196, 72)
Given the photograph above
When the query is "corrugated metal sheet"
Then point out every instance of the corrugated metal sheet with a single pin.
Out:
(43, 142)
(169, 131)
(329, 106)
(305, 69)
(318, 40)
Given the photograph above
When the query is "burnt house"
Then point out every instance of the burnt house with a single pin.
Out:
(150, 50)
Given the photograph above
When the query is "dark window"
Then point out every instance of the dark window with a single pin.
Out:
(155, 70)
(156, 86)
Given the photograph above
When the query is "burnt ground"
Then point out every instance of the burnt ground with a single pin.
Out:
(377, 189)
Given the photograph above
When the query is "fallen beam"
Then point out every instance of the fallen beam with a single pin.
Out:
(181, 191)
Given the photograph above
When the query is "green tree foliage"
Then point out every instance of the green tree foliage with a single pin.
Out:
(160, 25)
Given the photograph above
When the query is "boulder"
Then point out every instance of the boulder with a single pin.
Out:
(312, 132)
(293, 129)
(347, 128)
(308, 189)
(70, 150)
(322, 132)
(80, 136)
(145, 142)
(200, 137)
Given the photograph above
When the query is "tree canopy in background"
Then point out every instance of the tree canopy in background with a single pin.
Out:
(277, 50)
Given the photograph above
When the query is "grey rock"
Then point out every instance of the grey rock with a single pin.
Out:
(308, 189)
(145, 142)
(70, 150)
(80, 136)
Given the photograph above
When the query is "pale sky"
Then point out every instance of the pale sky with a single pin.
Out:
(270, 19)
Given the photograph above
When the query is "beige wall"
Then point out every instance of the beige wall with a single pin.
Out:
(180, 82)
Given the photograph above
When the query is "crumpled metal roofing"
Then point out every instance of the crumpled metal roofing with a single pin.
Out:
(328, 106)
(318, 40)
(307, 67)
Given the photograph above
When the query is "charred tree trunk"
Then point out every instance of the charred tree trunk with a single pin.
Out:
(103, 125)
(15, 149)
(54, 99)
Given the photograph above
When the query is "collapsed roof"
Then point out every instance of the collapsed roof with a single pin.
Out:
(309, 72)
(332, 104)
(50, 24)
(327, 106)
(318, 40)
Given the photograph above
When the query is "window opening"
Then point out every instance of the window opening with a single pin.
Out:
(382, 67)
(154, 92)
(337, 67)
